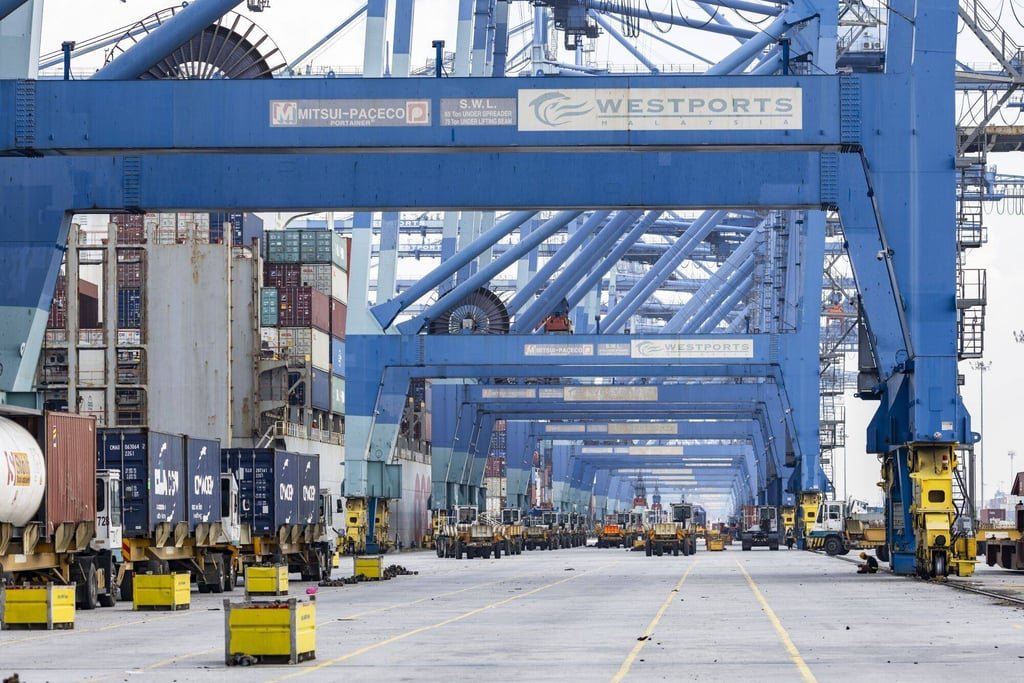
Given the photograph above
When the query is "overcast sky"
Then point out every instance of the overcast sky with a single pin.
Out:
(296, 24)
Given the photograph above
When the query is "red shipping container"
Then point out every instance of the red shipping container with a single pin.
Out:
(294, 306)
(339, 317)
(321, 311)
(130, 227)
(129, 273)
(70, 469)
(68, 443)
(282, 274)
(58, 319)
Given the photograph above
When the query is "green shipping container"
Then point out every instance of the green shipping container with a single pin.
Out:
(285, 253)
(268, 307)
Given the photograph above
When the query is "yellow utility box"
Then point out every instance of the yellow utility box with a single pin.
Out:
(269, 632)
(715, 542)
(49, 607)
(266, 580)
(369, 566)
(162, 591)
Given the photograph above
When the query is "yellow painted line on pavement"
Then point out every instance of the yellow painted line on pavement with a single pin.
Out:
(171, 660)
(624, 669)
(431, 627)
(418, 601)
(794, 654)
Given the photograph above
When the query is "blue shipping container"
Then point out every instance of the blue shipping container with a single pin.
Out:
(203, 493)
(309, 482)
(338, 356)
(268, 487)
(152, 467)
(321, 396)
(129, 308)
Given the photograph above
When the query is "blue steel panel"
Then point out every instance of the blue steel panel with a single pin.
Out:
(361, 181)
(188, 115)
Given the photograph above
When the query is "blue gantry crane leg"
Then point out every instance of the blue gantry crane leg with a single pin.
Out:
(65, 150)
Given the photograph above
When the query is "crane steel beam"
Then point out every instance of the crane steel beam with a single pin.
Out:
(171, 35)
(7, 7)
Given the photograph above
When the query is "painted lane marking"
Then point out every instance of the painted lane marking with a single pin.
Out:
(794, 654)
(624, 669)
(431, 627)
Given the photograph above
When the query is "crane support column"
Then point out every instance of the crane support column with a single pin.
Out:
(941, 548)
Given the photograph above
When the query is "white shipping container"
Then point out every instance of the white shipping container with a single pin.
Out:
(167, 220)
(56, 338)
(296, 342)
(269, 336)
(339, 285)
(129, 337)
(90, 338)
(94, 403)
(321, 351)
(92, 365)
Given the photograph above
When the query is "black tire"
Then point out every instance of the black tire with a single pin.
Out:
(127, 587)
(497, 551)
(230, 576)
(648, 550)
(109, 599)
(218, 584)
(675, 550)
(833, 546)
(90, 598)
(747, 547)
(882, 553)
(457, 551)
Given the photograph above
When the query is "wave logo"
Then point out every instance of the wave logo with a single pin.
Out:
(556, 109)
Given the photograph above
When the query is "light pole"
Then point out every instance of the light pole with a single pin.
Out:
(1013, 473)
(982, 367)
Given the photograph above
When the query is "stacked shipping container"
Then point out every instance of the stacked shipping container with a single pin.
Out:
(303, 309)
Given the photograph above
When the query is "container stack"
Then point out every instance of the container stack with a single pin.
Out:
(495, 476)
(303, 310)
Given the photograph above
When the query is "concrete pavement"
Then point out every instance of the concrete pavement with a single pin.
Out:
(582, 614)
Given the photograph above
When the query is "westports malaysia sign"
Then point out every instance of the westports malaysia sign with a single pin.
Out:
(621, 109)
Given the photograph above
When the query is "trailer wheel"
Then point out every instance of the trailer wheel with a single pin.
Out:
(128, 586)
(833, 545)
(90, 597)
(882, 553)
(747, 546)
(648, 550)
(108, 598)
(230, 575)
(218, 584)
(675, 550)
(497, 551)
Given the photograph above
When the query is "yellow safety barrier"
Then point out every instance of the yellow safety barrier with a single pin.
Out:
(269, 632)
(48, 607)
